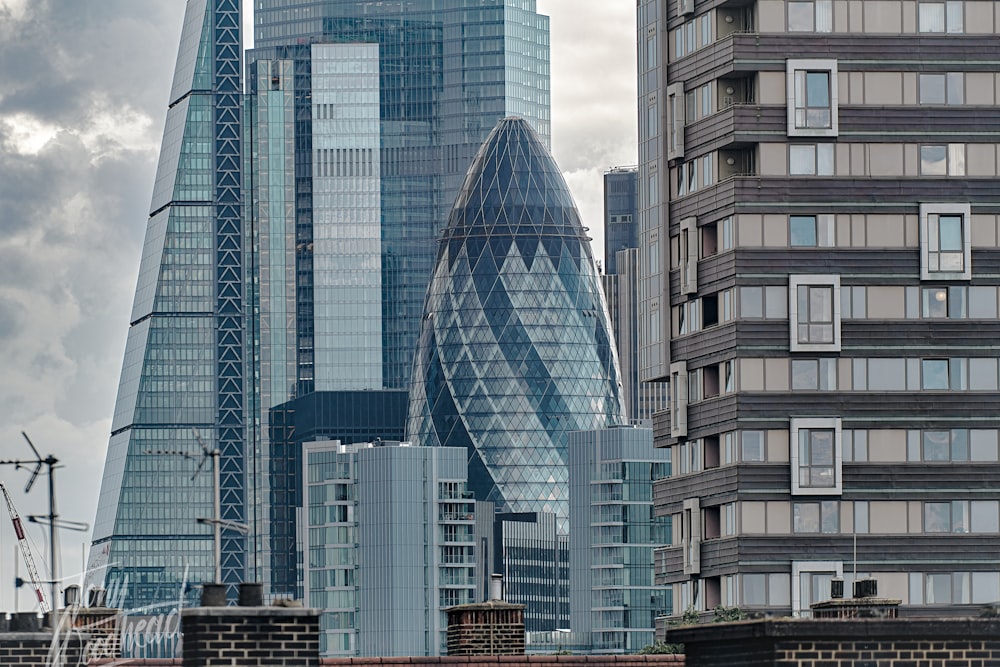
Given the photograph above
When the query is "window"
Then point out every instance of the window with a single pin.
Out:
(717, 237)
(854, 302)
(765, 590)
(814, 374)
(764, 302)
(941, 445)
(751, 446)
(943, 374)
(814, 319)
(943, 302)
(810, 231)
(942, 17)
(810, 16)
(689, 256)
(940, 588)
(675, 109)
(691, 535)
(945, 247)
(945, 88)
(855, 445)
(946, 517)
(861, 516)
(810, 159)
(811, 583)
(685, 7)
(942, 160)
(816, 517)
(678, 399)
(812, 98)
(816, 458)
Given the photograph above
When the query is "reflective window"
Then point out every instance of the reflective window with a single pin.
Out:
(816, 517)
(815, 313)
(810, 15)
(810, 159)
(812, 99)
(942, 159)
(816, 458)
(945, 88)
(941, 17)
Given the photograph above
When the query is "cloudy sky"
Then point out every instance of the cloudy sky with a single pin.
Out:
(83, 93)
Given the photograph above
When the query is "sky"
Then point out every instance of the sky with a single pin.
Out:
(83, 94)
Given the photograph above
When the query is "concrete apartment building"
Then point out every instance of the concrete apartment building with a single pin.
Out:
(818, 216)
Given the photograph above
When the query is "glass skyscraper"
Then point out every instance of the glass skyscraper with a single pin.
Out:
(362, 119)
(182, 380)
(516, 348)
(446, 73)
(360, 122)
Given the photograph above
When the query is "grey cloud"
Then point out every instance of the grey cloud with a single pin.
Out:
(65, 53)
(11, 317)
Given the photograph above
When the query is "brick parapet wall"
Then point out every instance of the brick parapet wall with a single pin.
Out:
(250, 637)
(942, 642)
(517, 661)
(136, 662)
(23, 649)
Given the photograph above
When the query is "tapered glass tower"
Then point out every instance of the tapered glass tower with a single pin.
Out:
(182, 378)
(515, 344)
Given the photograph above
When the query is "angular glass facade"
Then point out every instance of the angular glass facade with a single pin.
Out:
(182, 377)
(446, 71)
(515, 346)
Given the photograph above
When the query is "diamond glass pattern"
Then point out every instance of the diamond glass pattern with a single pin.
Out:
(515, 346)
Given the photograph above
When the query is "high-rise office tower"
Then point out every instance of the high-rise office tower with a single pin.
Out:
(183, 381)
(621, 214)
(516, 348)
(621, 288)
(819, 239)
(445, 74)
(363, 118)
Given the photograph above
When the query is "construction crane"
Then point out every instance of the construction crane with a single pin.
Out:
(22, 543)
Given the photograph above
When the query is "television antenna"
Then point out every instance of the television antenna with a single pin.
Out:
(52, 518)
(217, 522)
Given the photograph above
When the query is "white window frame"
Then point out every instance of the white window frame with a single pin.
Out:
(928, 239)
(812, 65)
(819, 566)
(689, 256)
(834, 424)
(678, 399)
(812, 280)
(677, 120)
(691, 535)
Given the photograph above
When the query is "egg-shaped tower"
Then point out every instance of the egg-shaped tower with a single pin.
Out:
(515, 345)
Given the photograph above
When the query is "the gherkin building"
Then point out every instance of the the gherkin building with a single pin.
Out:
(515, 346)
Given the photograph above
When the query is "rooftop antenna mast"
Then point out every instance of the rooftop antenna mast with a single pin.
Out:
(51, 519)
(217, 522)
